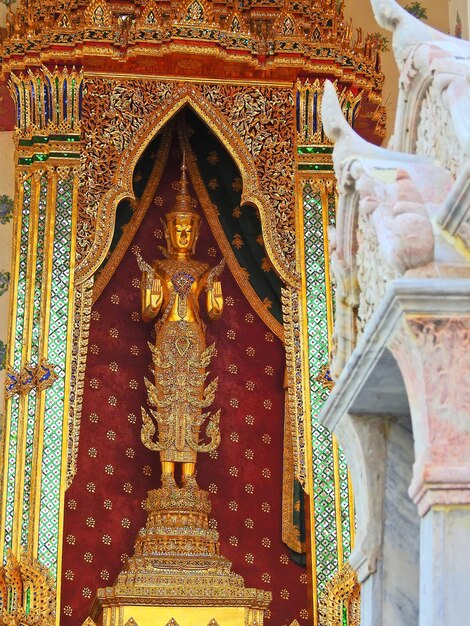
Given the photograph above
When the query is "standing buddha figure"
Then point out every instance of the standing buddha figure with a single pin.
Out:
(171, 290)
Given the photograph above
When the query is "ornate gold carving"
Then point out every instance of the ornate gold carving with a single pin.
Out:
(341, 599)
(27, 593)
(131, 112)
(48, 101)
(82, 314)
(172, 622)
(290, 532)
(137, 217)
(295, 406)
(131, 622)
(98, 14)
(179, 362)
(176, 560)
(194, 12)
(89, 622)
(264, 119)
(315, 36)
(45, 375)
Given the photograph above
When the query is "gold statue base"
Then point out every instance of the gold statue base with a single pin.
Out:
(177, 576)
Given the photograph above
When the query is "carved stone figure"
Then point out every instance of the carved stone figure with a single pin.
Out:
(171, 289)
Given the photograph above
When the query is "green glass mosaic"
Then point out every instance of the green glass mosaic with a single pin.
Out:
(323, 474)
(22, 269)
(34, 357)
(19, 323)
(11, 476)
(323, 471)
(343, 468)
(55, 395)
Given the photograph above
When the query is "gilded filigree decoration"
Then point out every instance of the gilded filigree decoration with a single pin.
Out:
(104, 276)
(98, 14)
(291, 310)
(122, 109)
(341, 601)
(264, 118)
(27, 593)
(179, 362)
(256, 126)
(290, 532)
(82, 315)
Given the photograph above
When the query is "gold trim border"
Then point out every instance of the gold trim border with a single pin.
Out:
(25, 399)
(68, 364)
(188, 79)
(12, 321)
(312, 553)
(36, 474)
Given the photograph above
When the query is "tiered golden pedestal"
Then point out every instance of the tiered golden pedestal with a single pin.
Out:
(177, 576)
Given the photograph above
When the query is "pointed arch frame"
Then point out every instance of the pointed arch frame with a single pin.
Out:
(186, 94)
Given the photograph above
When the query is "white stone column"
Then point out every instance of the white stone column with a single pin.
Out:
(433, 353)
(445, 554)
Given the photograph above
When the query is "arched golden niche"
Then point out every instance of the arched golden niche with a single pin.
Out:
(244, 477)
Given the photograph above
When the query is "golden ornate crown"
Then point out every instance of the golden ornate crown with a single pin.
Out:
(183, 206)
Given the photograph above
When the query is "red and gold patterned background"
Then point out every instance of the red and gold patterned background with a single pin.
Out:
(244, 476)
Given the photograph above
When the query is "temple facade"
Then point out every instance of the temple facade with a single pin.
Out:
(235, 345)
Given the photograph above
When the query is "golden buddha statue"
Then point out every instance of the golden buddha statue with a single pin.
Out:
(171, 288)
(177, 571)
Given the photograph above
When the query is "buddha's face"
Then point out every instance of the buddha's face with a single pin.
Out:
(182, 232)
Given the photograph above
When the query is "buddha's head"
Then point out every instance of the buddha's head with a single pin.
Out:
(182, 222)
(182, 230)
